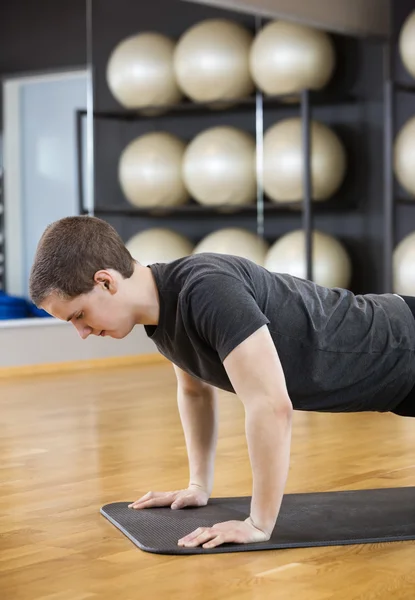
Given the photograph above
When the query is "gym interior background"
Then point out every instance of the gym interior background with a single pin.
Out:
(69, 80)
(64, 141)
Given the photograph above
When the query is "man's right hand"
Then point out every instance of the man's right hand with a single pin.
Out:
(194, 495)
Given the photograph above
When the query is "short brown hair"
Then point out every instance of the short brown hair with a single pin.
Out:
(69, 254)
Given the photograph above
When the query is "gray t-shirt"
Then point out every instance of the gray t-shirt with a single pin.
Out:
(340, 352)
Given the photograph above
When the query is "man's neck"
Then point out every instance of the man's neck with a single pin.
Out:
(149, 308)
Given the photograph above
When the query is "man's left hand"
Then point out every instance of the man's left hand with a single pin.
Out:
(239, 532)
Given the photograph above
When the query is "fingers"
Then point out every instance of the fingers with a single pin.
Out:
(217, 541)
(153, 499)
(197, 537)
(177, 499)
(207, 537)
(238, 532)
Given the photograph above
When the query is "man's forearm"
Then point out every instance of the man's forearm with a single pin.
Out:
(268, 431)
(199, 417)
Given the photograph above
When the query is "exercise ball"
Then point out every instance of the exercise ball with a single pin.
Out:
(403, 266)
(140, 71)
(158, 244)
(219, 167)
(283, 165)
(150, 171)
(407, 44)
(235, 241)
(211, 61)
(404, 156)
(287, 57)
(331, 263)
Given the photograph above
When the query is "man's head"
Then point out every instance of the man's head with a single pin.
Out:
(79, 274)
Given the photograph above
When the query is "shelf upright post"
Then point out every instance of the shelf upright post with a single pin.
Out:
(80, 162)
(90, 187)
(307, 184)
(259, 134)
(388, 179)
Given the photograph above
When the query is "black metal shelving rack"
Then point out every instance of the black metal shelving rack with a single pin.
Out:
(258, 101)
(392, 197)
(308, 99)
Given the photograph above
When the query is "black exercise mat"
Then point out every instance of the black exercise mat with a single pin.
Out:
(305, 520)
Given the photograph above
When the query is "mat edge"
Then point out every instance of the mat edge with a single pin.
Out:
(246, 548)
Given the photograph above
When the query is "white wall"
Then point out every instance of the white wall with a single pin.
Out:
(46, 341)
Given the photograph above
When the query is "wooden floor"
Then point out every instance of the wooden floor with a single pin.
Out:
(73, 442)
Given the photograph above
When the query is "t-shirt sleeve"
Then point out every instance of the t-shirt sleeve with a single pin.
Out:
(224, 312)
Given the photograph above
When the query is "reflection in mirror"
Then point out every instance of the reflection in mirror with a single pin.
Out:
(45, 150)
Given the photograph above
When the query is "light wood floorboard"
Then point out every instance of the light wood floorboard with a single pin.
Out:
(73, 442)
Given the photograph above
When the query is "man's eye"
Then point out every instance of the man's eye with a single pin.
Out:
(79, 316)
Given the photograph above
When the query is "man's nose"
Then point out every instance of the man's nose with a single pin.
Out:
(83, 330)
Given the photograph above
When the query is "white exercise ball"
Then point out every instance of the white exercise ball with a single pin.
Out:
(331, 262)
(211, 61)
(403, 266)
(235, 241)
(283, 164)
(150, 171)
(288, 57)
(404, 156)
(219, 167)
(159, 244)
(407, 44)
(140, 71)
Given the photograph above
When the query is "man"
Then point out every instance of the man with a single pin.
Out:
(279, 342)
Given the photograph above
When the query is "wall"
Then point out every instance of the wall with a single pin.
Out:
(351, 16)
(40, 35)
(44, 341)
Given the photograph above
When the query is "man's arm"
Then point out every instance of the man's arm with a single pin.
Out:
(256, 374)
(197, 403)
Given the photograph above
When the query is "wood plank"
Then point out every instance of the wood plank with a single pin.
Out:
(73, 441)
(81, 365)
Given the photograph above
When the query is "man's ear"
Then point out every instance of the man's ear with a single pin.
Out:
(106, 280)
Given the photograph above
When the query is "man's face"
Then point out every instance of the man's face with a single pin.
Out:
(99, 312)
